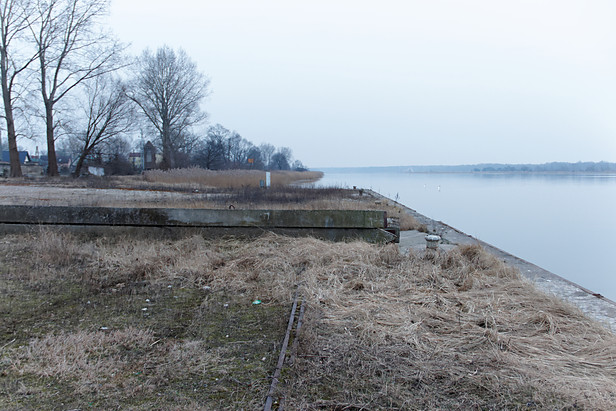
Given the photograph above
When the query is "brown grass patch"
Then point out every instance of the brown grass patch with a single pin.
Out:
(455, 330)
(198, 177)
(130, 324)
(435, 330)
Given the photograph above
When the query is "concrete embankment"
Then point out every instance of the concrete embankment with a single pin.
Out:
(591, 303)
(333, 225)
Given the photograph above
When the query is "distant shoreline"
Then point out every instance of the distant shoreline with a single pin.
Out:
(588, 173)
(555, 168)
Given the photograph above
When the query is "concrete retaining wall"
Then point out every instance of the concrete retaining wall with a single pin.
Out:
(333, 225)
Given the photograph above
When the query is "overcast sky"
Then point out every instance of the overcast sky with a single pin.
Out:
(366, 83)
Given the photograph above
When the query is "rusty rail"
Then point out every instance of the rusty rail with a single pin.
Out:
(269, 401)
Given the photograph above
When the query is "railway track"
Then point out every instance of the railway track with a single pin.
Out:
(275, 398)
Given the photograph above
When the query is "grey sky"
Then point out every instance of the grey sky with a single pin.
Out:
(360, 83)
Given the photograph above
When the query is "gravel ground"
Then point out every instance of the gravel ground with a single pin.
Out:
(63, 196)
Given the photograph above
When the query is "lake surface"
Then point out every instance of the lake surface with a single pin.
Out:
(563, 223)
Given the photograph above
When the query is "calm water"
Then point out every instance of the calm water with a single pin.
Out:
(563, 223)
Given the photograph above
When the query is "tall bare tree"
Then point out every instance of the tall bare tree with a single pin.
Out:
(13, 62)
(169, 89)
(107, 115)
(267, 151)
(72, 48)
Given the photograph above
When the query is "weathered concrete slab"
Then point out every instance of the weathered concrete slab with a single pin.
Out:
(334, 225)
(164, 217)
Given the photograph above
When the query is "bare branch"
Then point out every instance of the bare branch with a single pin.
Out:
(72, 49)
(108, 114)
(13, 23)
(168, 89)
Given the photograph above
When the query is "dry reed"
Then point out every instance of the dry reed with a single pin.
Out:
(433, 330)
(198, 177)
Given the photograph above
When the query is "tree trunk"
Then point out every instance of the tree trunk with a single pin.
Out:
(14, 157)
(79, 165)
(52, 166)
(82, 158)
(8, 112)
(168, 157)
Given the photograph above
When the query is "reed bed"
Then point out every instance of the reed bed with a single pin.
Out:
(433, 330)
(198, 177)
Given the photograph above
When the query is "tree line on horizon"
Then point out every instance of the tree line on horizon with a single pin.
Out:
(61, 69)
(552, 167)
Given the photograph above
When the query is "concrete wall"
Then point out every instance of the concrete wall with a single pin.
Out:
(333, 225)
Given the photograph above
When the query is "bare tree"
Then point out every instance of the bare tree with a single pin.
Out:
(281, 159)
(237, 149)
(298, 166)
(168, 88)
(107, 115)
(255, 159)
(13, 24)
(117, 150)
(212, 153)
(72, 48)
(267, 151)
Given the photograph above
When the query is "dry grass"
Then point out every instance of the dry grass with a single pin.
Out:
(282, 197)
(455, 330)
(306, 198)
(184, 179)
(201, 178)
(120, 323)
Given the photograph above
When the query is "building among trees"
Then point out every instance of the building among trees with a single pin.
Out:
(149, 153)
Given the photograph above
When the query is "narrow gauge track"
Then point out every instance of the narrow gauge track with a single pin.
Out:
(293, 328)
